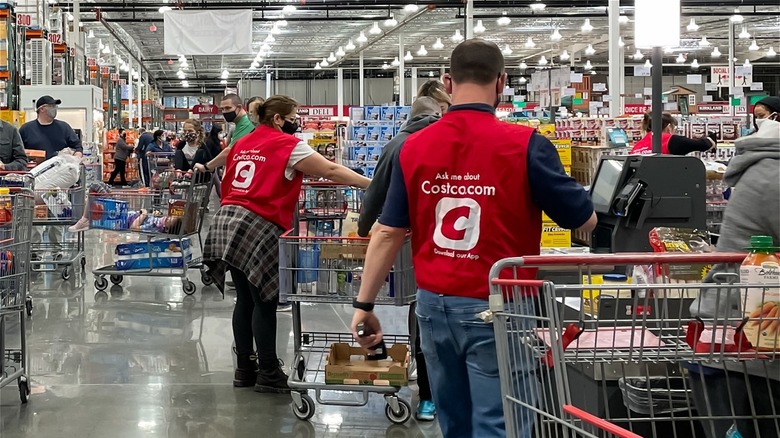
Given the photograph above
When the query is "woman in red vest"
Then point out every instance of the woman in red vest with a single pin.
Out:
(671, 144)
(260, 190)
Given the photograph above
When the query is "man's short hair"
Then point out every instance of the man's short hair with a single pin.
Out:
(425, 106)
(476, 61)
(233, 98)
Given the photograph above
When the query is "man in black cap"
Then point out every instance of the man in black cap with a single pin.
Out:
(46, 133)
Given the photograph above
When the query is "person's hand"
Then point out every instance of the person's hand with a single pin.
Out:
(712, 137)
(199, 167)
(2, 165)
(78, 155)
(370, 325)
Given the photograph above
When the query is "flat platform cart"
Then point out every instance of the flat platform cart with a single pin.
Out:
(647, 357)
(16, 212)
(317, 265)
(176, 213)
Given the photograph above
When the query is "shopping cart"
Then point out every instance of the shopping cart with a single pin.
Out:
(55, 210)
(165, 220)
(317, 265)
(648, 357)
(16, 213)
(161, 170)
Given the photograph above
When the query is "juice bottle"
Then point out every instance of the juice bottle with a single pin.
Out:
(762, 305)
(5, 205)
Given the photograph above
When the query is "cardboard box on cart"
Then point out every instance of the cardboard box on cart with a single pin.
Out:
(347, 365)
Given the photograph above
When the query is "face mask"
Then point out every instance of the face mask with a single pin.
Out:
(289, 127)
(52, 112)
(254, 119)
(229, 117)
(190, 137)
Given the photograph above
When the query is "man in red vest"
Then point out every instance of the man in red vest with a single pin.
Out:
(472, 190)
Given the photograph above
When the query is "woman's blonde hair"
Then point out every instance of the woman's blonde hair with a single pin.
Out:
(198, 128)
(435, 89)
(282, 105)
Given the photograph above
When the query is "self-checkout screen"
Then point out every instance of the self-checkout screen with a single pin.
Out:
(603, 189)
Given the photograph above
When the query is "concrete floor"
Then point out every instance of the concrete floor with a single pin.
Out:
(143, 360)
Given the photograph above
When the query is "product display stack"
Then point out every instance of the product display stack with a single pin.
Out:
(369, 131)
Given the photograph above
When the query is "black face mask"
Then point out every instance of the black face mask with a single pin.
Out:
(229, 117)
(289, 127)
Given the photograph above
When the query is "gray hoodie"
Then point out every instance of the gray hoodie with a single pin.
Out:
(375, 196)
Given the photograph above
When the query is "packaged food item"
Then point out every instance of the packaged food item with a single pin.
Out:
(761, 304)
(685, 240)
(6, 214)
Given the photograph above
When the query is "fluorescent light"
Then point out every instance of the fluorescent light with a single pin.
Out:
(638, 55)
(565, 55)
(744, 34)
(704, 42)
(395, 62)
(770, 53)
(289, 9)
(391, 22)
(422, 51)
(340, 52)
(680, 59)
(542, 60)
(332, 57)
(588, 65)
(324, 62)
(648, 64)
(91, 34)
(225, 74)
(375, 30)
(385, 66)
(523, 65)
(411, 8)
(538, 5)
(556, 35)
(656, 23)
(753, 46)
(408, 56)
(692, 26)
(715, 53)
(281, 23)
(317, 66)
(438, 45)
(586, 26)
(621, 43)
(590, 50)
(695, 63)
(503, 20)
(529, 43)
(457, 37)
(164, 9)
(623, 19)
(362, 37)
(507, 50)
(479, 28)
(736, 18)
(350, 46)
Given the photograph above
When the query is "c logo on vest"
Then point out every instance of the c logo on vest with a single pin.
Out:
(245, 173)
(457, 224)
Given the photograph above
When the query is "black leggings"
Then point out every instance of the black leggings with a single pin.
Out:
(254, 319)
(119, 169)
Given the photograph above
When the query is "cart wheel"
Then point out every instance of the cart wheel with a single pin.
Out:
(28, 305)
(403, 414)
(101, 283)
(66, 273)
(24, 389)
(83, 264)
(117, 279)
(189, 287)
(306, 410)
(206, 279)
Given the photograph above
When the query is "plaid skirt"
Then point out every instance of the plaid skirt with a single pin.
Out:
(243, 240)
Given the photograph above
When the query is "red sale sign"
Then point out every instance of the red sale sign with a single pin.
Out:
(635, 108)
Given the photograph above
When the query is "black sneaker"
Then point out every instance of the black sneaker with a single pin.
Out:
(246, 370)
(272, 381)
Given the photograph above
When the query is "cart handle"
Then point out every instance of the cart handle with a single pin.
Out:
(518, 283)
(602, 424)
(648, 258)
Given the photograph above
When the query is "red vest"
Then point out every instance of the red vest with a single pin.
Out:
(469, 201)
(645, 145)
(254, 176)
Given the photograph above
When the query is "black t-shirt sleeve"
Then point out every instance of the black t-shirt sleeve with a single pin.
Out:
(563, 199)
(680, 145)
(395, 212)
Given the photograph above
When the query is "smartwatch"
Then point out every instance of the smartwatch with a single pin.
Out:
(206, 166)
(367, 307)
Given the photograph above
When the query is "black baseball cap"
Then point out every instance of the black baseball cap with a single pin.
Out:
(47, 100)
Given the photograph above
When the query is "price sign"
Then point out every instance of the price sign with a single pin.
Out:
(91, 62)
(72, 52)
(115, 77)
(123, 82)
(105, 71)
(55, 38)
(24, 20)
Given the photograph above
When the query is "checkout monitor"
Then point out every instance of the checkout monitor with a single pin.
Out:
(605, 184)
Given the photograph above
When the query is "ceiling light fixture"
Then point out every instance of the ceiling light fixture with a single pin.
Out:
(479, 28)
(332, 57)
(375, 30)
(270, 39)
(556, 35)
(747, 63)
(621, 43)
(692, 26)
(265, 48)
(252, 66)
(638, 55)
(350, 46)
(411, 8)
(317, 66)
(91, 34)
(715, 53)
(507, 50)
(586, 27)
(588, 65)
(391, 22)
(523, 65)
(704, 42)
(185, 84)
(542, 60)
(256, 64)
(695, 63)
(770, 53)
(340, 52)
(395, 62)
(422, 51)
(590, 50)
(457, 37)
(744, 34)
(385, 66)
(523, 79)
(503, 20)
(737, 18)
(753, 46)
(623, 19)
(648, 64)
(565, 55)
(281, 23)
(289, 9)
(324, 62)
(680, 59)
(164, 9)
(529, 43)
(100, 44)
(275, 30)
(668, 50)
(438, 45)
(106, 49)
(225, 74)
(408, 56)
(593, 72)
(223, 82)
(362, 37)
(538, 5)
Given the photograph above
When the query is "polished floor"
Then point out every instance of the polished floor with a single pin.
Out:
(143, 360)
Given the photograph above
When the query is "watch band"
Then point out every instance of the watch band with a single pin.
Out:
(367, 307)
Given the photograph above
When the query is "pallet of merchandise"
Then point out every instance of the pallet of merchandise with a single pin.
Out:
(585, 160)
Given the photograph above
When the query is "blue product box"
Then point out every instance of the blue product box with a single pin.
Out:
(387, 113)
(358, 133)
(169, 102)
(373, 112)
(113, 214)
(165, 254)
(387, 133)
(142, 261)
(374, 133)
(369, 171)
(402, 113)
(373, 153)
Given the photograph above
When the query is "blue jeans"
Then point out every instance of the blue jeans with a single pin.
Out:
(460, 350)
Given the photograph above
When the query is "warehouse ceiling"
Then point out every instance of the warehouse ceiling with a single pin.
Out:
(316, 29)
